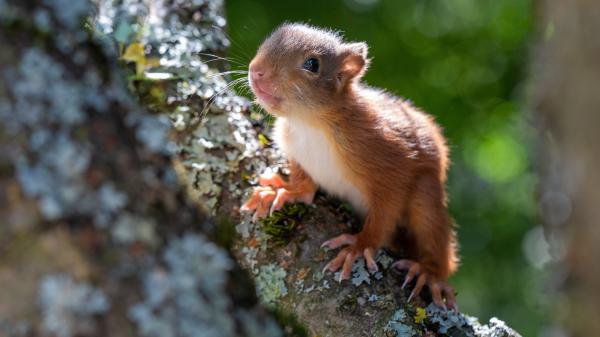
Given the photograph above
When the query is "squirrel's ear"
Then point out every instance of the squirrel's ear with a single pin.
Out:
(354, 62)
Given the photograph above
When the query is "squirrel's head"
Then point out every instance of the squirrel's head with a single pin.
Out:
(304, 69)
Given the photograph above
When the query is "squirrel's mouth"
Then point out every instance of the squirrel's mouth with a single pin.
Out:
(263, 96)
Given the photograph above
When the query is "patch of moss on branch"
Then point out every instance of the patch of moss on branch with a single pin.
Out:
(282, 224)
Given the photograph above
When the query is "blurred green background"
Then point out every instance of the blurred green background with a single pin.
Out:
(463, 61)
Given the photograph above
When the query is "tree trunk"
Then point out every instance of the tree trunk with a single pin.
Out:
(98, 238)
(566, 72)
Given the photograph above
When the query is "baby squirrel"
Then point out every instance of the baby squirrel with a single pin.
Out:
(362, 144)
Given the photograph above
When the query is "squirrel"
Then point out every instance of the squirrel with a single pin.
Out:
(362, 144)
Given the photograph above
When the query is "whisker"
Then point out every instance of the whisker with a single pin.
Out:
(228, 72)
(223, 58)
(214, 96)
(234, 42)
(238, 61)
(233, 62)
(300, 94)
(242, 87)
(212, 60)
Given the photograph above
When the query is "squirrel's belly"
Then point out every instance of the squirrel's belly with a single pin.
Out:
(310, 148)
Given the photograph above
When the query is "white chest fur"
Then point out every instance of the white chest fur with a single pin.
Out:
(309, 147)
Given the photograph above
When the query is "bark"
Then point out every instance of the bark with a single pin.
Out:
(98, 238)
(112, 204)
(566, 70)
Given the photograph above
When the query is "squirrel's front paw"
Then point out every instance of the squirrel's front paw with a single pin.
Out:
(272, 195)
(260, 202)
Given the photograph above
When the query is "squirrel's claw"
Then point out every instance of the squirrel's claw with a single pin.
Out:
(440, 290)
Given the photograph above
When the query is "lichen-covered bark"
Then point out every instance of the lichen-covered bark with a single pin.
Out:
(287, 266)
(100, 238)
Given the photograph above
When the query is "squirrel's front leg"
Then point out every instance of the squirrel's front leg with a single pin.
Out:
(274, 191)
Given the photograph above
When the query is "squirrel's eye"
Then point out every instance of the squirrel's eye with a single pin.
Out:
(311, 64)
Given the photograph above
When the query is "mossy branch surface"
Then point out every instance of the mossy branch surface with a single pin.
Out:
(282, 224)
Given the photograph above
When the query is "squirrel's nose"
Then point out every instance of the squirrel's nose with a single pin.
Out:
(256, 70)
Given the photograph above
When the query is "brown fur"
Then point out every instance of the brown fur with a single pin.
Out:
(392, 152)
(299, 182)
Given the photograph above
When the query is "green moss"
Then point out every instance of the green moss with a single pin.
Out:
(225, 233)
(292, 327)
(282, 224)
(347, 207)
(151, 93)
(350, 305)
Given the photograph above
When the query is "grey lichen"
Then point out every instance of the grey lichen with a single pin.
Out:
(360, 274)
(42, 95)
(495, 328)
(153, 131)
(130, 228)
(40, 84)
(49, 105)
(111, 201)
(68, 308)
(19, 329)
(185, 285)
(450, 322)
(165, 26)
(250, 261)
(70, 13)
(223, 137)
(398, 325)
(270, 283)
(187, 297)
(215, 151)
(446, 320)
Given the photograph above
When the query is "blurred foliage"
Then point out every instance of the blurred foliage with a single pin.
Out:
(464, 62)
